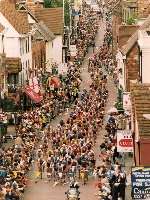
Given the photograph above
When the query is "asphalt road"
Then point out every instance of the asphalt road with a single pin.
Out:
(42, 190)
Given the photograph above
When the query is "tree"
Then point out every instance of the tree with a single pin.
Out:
(131, 21)
(67, 12)
(53, 3)
(59, 3)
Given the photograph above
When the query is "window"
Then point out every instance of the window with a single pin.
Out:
(26, 46)
(12, 81)
(20, 47)
(28, 64)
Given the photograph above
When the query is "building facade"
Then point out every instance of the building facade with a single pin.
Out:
(15, 43)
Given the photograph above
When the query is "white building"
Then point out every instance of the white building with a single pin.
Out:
(121, 70)
(52, 19)
(15, 43)
(144, 57)
(141, 41)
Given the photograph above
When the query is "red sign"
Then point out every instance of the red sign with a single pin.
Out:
(33, 95)
(126, 143)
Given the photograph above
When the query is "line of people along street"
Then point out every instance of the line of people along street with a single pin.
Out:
(18, 160)
(66, 153)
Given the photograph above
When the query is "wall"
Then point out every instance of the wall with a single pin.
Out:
(38, 55)
(121, 65)
(12, 46)
(132, 66)
(1, 44)
(54, 51)
(143, 8)
(57, 49)
(144, 149)
(10, 37)
(144, 44)
(116, 21)
(30, 20)
(125, 31)
(145, 66)
(26, 59)
(136, 139)
(137, 153)
(49, 54)
(9, 29)
(2, 72)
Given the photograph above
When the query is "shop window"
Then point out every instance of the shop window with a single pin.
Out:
(26, 46)
(12, 81)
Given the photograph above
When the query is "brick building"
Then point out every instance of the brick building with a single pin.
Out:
(52, 25)
(143, 8)
(123, 10)
(129, 57)
(124, 33)
(140, 97)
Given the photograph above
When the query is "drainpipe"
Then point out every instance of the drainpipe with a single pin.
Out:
(3, 44)
(124, 71)
(141, 58)
(139, 149)
(140, 63)
(133, 136)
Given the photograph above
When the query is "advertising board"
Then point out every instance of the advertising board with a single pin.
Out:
(140, 179)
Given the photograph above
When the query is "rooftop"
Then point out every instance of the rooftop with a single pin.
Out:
(16, 19)
(140, 94)
(1, 28)
(52, 18)
(134, 38)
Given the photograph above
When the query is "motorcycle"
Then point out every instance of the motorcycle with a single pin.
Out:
(72, 194)
(104, 196)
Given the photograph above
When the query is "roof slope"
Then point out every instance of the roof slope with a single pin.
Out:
(133, 39)
(1, 28)
(140, 94)
(16, 19)
(52, 18)
(43, 30)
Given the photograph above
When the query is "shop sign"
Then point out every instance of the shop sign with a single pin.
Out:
(140, 180)
(33, 83)
(124, 141)
(73, 50)
(127, 101)
(37, 98)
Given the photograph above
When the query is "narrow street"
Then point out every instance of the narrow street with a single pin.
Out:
(43, 190)
(74, 99)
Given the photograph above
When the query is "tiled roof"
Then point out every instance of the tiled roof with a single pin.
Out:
(133, 39)
(52, 18)
(16, 19)
(125, 32)
(140, 94)
(39, 29)
(1, 28)
(13, 64)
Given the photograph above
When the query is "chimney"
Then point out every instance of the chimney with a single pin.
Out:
(13, 1)
(34, 4)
